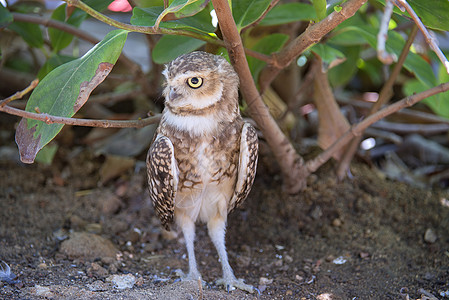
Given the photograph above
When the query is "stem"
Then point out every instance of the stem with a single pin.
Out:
(282, 149)
(19, 94)
(309, 37)
(384, 96)
(430, 39)
(49, 119)
(357, 129)
(142, 29)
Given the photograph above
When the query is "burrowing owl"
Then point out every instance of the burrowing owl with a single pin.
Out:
(203, 160)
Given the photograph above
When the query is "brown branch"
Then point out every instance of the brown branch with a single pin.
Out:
(309, 37)
(133, 67)
(384, 96)
(255, 23)
(49, 119)
(19, 94)
(283, 150)
(430, 39)
(357, 129)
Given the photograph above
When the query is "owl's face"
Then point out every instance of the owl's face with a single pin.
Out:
(196, 81)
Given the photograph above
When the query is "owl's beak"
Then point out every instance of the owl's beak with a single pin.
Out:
(173, 95)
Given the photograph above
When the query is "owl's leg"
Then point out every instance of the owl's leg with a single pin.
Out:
(217, 228)
(188, 229)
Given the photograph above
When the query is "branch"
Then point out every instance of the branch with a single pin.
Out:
(134, 67)
(384, 96)
(142, 29)
(430, 39)
(282, 149)
(309, 37)
(382, 54)
(49, 119)
(357, 129)
(19, 95)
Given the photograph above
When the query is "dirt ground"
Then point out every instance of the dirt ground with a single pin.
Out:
(67, 236)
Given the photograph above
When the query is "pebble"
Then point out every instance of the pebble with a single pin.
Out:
(265, 281)
(430, 236)
(122, 281)
(88, 246)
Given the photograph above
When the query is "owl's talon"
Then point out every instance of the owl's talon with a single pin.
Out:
(234, 283)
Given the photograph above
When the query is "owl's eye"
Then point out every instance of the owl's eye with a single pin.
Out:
(195, 82)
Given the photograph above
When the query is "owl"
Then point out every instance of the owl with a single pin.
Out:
(202, 162)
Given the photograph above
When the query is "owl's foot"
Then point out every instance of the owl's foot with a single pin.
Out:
(191, 276)
(233, 283)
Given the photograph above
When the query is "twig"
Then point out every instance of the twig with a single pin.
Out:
(135, 68)
(418, 116)
(309, 37)
(384, 96)
(408, 128)
(272, 4)
(357, 129)
(382, 54)
(49, 119)
(430, 39)
(19, 94)
(142, 29)
(283, 150)
(153, 30)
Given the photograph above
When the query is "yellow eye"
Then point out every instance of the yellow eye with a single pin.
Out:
(195, 82)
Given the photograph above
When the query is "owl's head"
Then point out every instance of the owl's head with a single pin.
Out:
(199, 80)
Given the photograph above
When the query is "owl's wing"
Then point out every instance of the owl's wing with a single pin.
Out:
(249, 147)
(162, 178)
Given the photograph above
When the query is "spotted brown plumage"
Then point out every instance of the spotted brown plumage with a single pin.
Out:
(162, 179)
(203, 161)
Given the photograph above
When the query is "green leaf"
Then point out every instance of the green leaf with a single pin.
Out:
(46, 155)
(31, 33)
(52, 63)
(175, 6)
(201, 22)
(170, 47)
(98, 5)
(433, 13)
(360, 35)
(439, 103)
(6, 17)
(330, 56)
(320, 8)
(60, 39)
(246, 12)
(344, 72)
(267, 45)
(64, 90)
(287, 13)
(191, 9)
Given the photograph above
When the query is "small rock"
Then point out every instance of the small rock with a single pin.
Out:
(339, 260)
(122, 281)
(325, 296)
(430, 236)
(97, 286)
(288, 259)
(42, 291)
(265, 281)
(87, 246)
(337, 222)
(42, 266)
(97, 270)
(299, 278)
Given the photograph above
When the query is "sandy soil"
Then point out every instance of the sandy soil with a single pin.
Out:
(66, 236)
